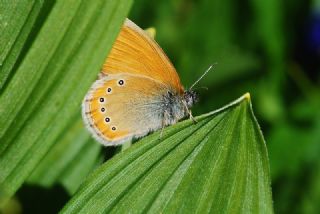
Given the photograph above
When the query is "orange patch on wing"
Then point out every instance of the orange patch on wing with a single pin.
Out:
(98, 117)
(135, 52)
(115, 135)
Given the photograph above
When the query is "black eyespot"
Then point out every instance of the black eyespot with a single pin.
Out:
(109, 90)
(113, 128)
(103, 109)
(107, 119)
(121, 82)
(101, 99)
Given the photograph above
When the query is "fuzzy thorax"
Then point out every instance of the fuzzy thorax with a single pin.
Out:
(176, 106)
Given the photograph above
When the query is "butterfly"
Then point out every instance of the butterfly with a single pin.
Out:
(138, 91)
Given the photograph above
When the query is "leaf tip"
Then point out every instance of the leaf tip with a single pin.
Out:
(247, 96)
(151, 31)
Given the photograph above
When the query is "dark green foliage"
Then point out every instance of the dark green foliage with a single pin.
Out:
(50, 53)
(43, 97)
(268, 48)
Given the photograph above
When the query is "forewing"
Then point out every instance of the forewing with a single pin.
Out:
(135, 52)
(121, 106)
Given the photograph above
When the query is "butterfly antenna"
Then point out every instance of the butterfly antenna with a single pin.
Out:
(205, 73)
(202, 87)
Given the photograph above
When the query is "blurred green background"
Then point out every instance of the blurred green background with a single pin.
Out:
(268, 48)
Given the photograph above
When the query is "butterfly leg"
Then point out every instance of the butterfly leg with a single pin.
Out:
(191, 117)
(165, 118)
(161, 133)
(190, 113)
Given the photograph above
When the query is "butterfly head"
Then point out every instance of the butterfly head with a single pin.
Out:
(191, 97)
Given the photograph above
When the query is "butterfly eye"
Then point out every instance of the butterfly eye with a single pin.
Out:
(170, 94)
(107, 119)
(101, 99)
(120, 82)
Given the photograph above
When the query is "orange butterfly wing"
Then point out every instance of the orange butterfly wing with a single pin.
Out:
(137, 106)
(135, 52)
(114, 113)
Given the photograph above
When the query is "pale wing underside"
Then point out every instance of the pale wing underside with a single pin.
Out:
(133, 109)
(135, 52)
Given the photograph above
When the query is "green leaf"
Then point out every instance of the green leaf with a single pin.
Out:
(44, 96)
(70, 160)
(219, 164)
(16, 21)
